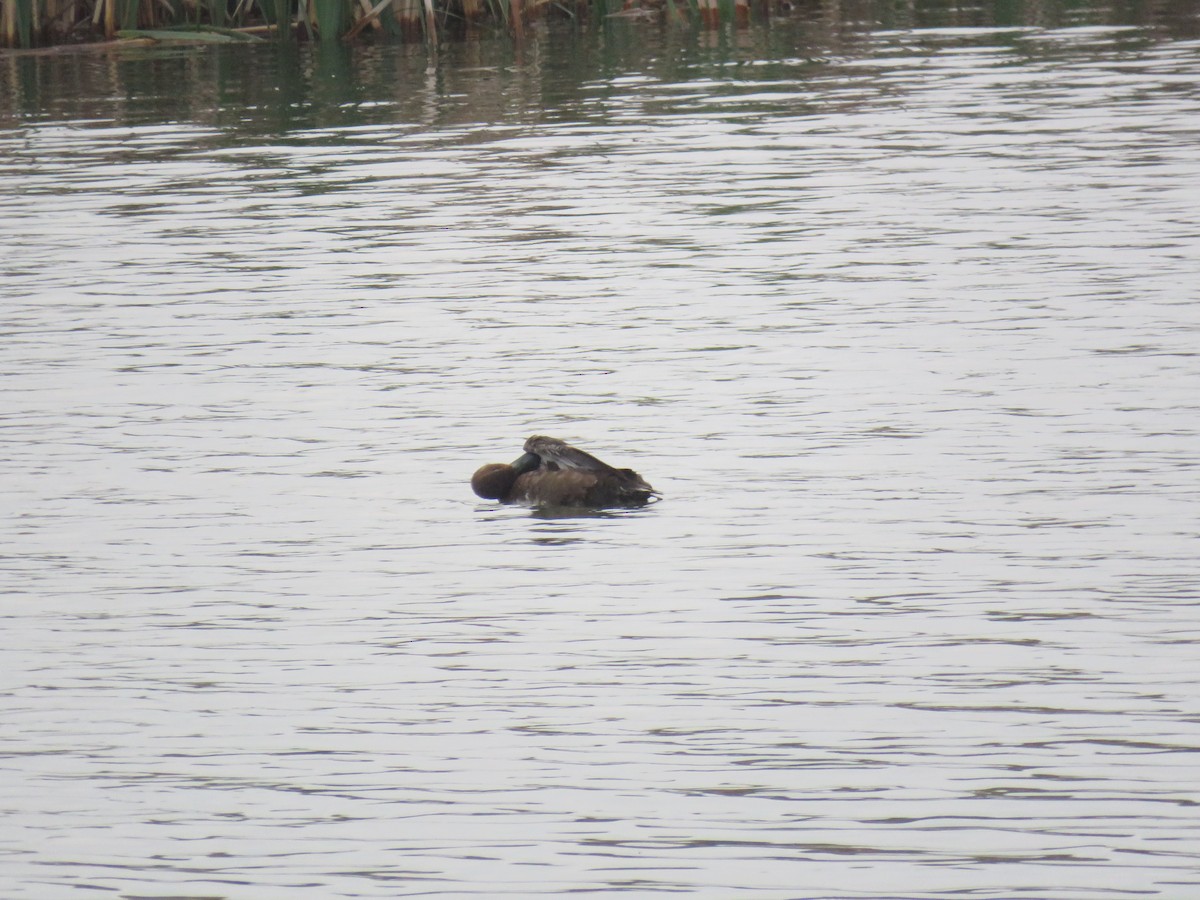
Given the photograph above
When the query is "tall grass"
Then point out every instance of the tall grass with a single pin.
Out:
(34, 23)
(330, 16)
(18, 21)
(38, 23)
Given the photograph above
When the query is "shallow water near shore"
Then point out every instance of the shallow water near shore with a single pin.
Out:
(902, 322)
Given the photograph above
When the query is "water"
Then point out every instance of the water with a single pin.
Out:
(903, 323)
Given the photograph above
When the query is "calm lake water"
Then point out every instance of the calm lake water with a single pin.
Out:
(903, 321)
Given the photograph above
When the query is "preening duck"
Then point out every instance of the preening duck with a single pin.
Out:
(553, 473)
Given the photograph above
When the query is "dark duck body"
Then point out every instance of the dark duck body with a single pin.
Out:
(553, 473)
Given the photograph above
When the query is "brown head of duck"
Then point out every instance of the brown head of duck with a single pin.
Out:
(553, 473)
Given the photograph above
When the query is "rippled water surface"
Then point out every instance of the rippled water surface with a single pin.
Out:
(903, 323)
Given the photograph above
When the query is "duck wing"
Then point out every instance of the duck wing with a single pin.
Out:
(555, 473)
(552, 450)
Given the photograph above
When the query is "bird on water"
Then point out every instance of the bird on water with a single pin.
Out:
(553, 473)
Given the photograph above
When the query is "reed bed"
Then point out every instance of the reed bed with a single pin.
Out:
(39, 23)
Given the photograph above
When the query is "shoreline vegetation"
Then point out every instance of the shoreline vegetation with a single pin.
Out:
(56, 26)
(44, 27)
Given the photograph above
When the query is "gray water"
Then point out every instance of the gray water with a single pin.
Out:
(902, 323)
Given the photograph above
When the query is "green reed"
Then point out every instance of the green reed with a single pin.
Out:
(17, 22)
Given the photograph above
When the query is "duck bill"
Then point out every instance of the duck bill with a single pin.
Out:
(527, 462)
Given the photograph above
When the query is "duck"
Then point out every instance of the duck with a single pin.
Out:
(553, 473)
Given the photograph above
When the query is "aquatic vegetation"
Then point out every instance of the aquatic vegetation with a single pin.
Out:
(35, 23)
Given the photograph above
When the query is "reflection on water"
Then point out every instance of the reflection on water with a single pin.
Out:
(901, 323)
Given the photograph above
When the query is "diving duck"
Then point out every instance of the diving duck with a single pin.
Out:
(553, 473)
